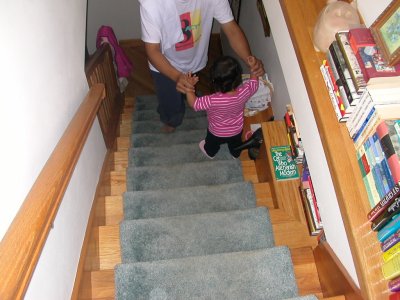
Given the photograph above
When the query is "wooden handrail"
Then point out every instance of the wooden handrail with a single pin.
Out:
(22, 244)
(100, 69)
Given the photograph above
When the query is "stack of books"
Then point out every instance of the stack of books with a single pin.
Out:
(293, 135)
(379, 160)
(354, 71)
(385, 219)
(309, 201)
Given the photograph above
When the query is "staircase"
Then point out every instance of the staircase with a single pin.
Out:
(104, 250)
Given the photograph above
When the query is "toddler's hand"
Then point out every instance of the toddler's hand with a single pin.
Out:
(193, 79)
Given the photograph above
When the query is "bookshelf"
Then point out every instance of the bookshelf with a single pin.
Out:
(339, 151)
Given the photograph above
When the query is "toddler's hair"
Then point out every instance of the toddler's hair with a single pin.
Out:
(226, 74)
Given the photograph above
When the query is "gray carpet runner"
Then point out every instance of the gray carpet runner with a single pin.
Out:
(191, 227)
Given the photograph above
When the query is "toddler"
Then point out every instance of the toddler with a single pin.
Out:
(225, 107)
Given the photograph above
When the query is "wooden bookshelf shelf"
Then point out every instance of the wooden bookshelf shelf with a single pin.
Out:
(340, 153)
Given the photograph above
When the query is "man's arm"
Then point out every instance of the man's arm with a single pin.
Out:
(160, 62)
(240, 45)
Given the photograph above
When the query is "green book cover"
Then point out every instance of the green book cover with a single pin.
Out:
(285, 166)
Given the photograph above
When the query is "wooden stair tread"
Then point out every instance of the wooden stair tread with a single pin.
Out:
(306, 271)
(293, 234)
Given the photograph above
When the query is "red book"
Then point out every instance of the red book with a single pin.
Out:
(388, 133)
(360, 37)
(385, 202)
(373, 64)
(395, 296)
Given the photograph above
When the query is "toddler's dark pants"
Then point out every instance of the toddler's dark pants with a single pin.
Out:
(213, 144)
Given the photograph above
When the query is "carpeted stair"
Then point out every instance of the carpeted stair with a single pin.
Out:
(191, 227)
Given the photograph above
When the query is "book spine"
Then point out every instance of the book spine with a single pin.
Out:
(386, 216)
(391, 268)
(344, 71)
(368, 130)
(366, 175)
(389, 229)
(375, 173)
(368, 120)
(385, 173)
(315, 203)
(385, 202)
(336, 90)
(391, 241)
(332, 96)
(312, 208)
(394, 285)
(365, 111)
(392, 252)
(384, 162)
(388, 149)
(351, 60)
(358, 112)
(347, 109)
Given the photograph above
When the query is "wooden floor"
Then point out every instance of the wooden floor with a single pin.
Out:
(104, 248)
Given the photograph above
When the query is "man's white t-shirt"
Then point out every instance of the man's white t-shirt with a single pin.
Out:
(196, 18)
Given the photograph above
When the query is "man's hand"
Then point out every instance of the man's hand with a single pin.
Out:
(256, 66)
(184, 85)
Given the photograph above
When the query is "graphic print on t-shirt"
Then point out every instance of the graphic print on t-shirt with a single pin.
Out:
(191, 28)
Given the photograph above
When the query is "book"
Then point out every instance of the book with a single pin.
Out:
(392, 252)
(372, 116)
(391, 268)
(344, 74)
(285, 167)
(394, 296)
(376, 174)
(367, 176)
(388, 132)
(384, 202)
(332, 94)
(377, 115)
(394, 285)
(344, 80)
(391, 241)
(360, 37)
(351, 60)
(386, 216)
(373, 65)
(345, 107)
(389, 229)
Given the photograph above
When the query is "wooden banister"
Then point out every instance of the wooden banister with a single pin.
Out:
(100, 69)
(21, 246)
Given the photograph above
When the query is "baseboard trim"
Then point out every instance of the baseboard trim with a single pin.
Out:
(90, 225)
(334, 278)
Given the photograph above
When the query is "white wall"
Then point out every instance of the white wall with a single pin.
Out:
(122, 15)
(263, 48)
(370, 9)
(42, 84)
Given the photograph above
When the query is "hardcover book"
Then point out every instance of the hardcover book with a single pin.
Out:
(373, 65)
(394, 285)
(360, 37)
(385, 202)
(351, 60)
(285, 166)
(389, 136)
(391, 241)
(389, 229)
(391, 268)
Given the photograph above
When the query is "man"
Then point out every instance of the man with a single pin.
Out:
(176, 35)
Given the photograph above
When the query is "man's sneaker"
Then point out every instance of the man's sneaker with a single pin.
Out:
(201, 146)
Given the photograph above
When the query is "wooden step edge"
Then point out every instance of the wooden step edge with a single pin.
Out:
(109, 210)
(105, 251)
(97, 285)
